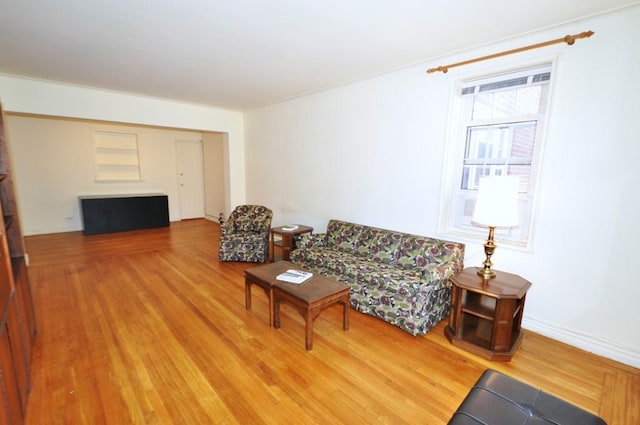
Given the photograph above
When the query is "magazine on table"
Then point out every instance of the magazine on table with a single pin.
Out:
(290, 227)
(294, 276)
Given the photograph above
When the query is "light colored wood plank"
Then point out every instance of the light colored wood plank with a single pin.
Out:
(148, 327)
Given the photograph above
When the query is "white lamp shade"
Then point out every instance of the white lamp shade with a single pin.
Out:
(497, 203)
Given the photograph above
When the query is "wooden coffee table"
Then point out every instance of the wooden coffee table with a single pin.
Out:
(310, 298)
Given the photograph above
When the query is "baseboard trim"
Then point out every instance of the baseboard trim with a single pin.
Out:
(600, 347)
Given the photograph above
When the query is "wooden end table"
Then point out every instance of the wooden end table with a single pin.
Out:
(310, 298)
(486, 314)
(287, 243)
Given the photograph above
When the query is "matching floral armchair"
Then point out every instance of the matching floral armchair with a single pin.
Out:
(245, 235)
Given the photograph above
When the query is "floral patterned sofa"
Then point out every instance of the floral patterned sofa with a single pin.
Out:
(398, 277)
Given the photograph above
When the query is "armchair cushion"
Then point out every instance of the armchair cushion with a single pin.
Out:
(251, 218)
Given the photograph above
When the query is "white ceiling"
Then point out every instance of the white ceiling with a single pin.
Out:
(243, 54)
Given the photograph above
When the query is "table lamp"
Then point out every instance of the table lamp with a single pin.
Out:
(496, 206)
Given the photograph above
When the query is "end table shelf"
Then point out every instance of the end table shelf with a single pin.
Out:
(287, 241)
(486, 315)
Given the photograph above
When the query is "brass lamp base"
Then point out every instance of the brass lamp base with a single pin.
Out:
(486, 274)
(489, 247)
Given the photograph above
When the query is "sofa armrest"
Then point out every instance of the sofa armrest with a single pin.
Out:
(309, 240)
(439, 272)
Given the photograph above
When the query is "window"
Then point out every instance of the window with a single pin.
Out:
(498, 132)
(116, 156)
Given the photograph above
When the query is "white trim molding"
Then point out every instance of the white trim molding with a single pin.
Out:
(609, 349)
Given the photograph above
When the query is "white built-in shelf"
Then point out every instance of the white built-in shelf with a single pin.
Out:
(116, 156)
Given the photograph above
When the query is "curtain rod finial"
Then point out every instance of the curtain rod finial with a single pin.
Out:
(571, 39)
(444, 70)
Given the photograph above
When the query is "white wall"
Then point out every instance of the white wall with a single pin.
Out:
(27, 96)
(372, 152)
(214, 175)
(54, 164)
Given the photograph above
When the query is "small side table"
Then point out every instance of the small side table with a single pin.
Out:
(486, 314)
(287, 242)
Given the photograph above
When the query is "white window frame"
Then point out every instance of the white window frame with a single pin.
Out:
(455, 218)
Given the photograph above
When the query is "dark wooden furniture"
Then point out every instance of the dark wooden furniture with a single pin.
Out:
(264, 277)
(117, 213)
(310, 298)
(17, 317)
(287, 243)
(486, 314)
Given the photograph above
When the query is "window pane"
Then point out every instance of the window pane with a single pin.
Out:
(505, 149)
(527, 101)
(486, 143)
(523, 172)
(504, 84)
(524, 137)
(521, 101)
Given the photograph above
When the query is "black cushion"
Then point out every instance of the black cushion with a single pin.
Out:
(497, 399)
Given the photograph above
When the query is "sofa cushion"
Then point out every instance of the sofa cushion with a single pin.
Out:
(333, 261)
(426, 254)
(343, 236)
(340, 263)
(393, 280)
(413, 252)
(379, 245)
(309, 257)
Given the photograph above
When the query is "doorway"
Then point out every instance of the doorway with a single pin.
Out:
(190, 178)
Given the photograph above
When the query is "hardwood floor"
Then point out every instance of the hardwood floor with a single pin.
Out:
(148, 327)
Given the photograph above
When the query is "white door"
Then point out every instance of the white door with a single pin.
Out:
(190, 179)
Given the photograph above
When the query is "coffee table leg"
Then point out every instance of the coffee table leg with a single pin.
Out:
(247, 294)
(345, 315)
(271, 314)
(272, 246)
(308, 330)
(276, 314)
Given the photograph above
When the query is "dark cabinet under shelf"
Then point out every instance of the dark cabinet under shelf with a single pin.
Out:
(118, 213)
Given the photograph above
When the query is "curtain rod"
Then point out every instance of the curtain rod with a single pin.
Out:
(569, 39)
